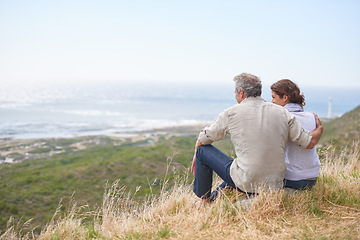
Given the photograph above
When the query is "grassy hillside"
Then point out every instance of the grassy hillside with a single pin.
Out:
(152, 191)
(330, 211)
(342, 131)
(34, 188)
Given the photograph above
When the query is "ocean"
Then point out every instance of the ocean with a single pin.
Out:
(66, 110)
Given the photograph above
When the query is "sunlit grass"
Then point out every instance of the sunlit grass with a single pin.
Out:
(331, 210)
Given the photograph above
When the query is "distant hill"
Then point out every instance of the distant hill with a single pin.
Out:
(342, 131)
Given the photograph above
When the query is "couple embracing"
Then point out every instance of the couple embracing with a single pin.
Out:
(274, 142)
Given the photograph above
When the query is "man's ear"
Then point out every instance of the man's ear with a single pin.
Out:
(242, 93)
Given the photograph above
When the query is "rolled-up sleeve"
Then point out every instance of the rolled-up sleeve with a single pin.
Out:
(296, 133)
(216, 131)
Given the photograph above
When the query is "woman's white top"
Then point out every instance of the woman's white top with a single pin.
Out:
(301, 163)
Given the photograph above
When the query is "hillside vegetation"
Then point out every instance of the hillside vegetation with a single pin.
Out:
(141, 190)
(342, 131)
(330, 211)
(33, 189)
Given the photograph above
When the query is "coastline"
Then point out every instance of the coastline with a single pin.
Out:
(13, 150)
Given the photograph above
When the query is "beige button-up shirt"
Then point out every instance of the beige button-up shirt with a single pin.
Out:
(259, 131)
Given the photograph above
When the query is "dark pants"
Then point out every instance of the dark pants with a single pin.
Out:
(209, 159)
(299, 185)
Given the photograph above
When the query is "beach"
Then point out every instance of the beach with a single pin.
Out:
(18, 150)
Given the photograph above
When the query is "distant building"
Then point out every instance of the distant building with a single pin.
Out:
(329, 114)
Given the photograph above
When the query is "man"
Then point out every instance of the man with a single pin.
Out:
(259, 131)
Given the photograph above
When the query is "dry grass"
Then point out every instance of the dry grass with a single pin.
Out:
(330, 211)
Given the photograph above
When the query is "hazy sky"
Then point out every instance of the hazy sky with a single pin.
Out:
(311, 42)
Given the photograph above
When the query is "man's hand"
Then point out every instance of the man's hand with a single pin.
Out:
(193, 165)
(316, 134)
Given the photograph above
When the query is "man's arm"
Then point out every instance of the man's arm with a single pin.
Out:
(316, 134)
(301, 136)
(215, 132)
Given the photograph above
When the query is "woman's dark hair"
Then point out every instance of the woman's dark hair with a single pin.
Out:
(289, 88)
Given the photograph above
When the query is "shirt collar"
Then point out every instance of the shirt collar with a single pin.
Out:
(252, 99)
(294, 107)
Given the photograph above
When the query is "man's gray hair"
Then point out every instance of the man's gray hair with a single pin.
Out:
(250, 84)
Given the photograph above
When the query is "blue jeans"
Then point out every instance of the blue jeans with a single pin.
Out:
(209, 159)
(299, 185)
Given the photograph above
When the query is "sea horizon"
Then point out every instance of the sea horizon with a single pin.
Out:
(66, 111)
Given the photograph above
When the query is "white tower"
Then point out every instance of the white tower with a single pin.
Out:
(329, 108)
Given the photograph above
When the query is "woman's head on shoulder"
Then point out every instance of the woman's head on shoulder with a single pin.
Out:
(286, 91)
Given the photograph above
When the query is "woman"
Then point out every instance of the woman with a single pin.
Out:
(303, 165)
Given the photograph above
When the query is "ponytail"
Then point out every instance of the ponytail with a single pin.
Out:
(290, 89)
